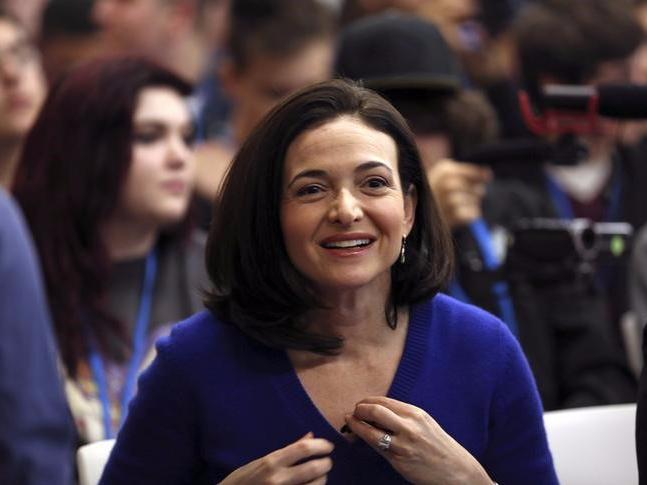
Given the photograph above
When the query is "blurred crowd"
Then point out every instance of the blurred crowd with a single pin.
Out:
(119, 119)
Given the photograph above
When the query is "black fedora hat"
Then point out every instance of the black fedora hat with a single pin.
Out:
(393, 51)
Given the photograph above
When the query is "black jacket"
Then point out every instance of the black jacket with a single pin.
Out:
(563, 319)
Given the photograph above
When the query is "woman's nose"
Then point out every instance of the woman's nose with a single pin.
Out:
(179, 152)
(345, 209)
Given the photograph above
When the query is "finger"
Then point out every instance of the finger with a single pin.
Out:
(460, 199)
(318, 481)
(476, 172)
(450, 188)
(304, 448)
(306, 472)
(369, 433)
(459, 183)
(378, 416)
(465, 215)
(398, 407)
(469, 171)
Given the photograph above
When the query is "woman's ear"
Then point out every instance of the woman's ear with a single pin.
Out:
(410, 203)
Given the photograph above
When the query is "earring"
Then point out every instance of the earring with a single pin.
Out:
(402, 250)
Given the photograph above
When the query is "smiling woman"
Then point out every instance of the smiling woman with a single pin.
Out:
(324, 321)
(105, 183)
(344, 212)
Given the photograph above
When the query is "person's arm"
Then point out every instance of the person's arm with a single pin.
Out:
(160, 440)
(416, 445)
(36, 430)
(593, 366)
(569, 340)
(422, 452)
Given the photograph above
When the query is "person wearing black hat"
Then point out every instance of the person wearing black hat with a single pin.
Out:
(563, 331)
(407, 60)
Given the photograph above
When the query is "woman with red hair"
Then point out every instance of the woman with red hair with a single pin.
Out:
(105, 183)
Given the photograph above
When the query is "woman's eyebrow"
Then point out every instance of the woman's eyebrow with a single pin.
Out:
(312, 172)
(363, 167)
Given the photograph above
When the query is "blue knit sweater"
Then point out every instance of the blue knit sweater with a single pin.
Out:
(213, 400)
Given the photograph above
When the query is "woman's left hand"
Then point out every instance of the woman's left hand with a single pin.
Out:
(420, 450)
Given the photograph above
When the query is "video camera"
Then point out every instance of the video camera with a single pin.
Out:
(552, 249)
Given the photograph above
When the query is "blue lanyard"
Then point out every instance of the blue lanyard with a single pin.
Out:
(500, 289)
(564, 207)
(139, 340)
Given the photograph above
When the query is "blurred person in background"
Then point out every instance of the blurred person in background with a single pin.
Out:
(569, 344)
(584, 43)
(478, 31)
(68, 36)
(105, 184)
(185, 36)
(273, 48)
(168, 32)
(22, 91)
(352, 10)
(36, 430)
(28, 12)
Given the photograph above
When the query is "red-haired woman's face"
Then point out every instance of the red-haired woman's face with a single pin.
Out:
(161, 175)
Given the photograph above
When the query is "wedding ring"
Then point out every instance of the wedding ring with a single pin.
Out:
(385, 442)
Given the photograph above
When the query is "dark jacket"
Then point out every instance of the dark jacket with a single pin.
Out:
(563, 317)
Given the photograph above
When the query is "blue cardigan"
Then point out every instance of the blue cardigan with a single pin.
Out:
(214, 399)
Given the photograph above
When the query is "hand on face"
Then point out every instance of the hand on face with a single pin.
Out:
(304, 461)
(459, 189)
(420, 450)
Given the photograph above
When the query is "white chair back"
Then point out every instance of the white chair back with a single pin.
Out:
(594, 445)
(91, 459)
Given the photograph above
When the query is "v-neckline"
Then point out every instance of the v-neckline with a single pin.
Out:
(304, 409)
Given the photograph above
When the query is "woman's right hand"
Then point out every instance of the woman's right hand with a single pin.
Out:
(305, 461)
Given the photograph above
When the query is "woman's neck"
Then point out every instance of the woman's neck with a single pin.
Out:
(357, 316)
(129, 240)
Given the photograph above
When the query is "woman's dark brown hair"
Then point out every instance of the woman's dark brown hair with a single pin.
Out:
(255, 285)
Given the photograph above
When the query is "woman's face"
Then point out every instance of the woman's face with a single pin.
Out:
(343, 211)
(160, 178)
(22, 82)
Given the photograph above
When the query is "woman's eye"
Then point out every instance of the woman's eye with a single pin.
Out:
(147, 137)
(310, 190)
(376, 183)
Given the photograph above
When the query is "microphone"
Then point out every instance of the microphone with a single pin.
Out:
(528, 151)
(611, 100)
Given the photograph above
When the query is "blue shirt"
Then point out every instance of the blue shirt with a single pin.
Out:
(36, 430)
(214, 400)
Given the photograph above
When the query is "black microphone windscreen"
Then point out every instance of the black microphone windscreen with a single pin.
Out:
(627, 101)
(511, 151)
